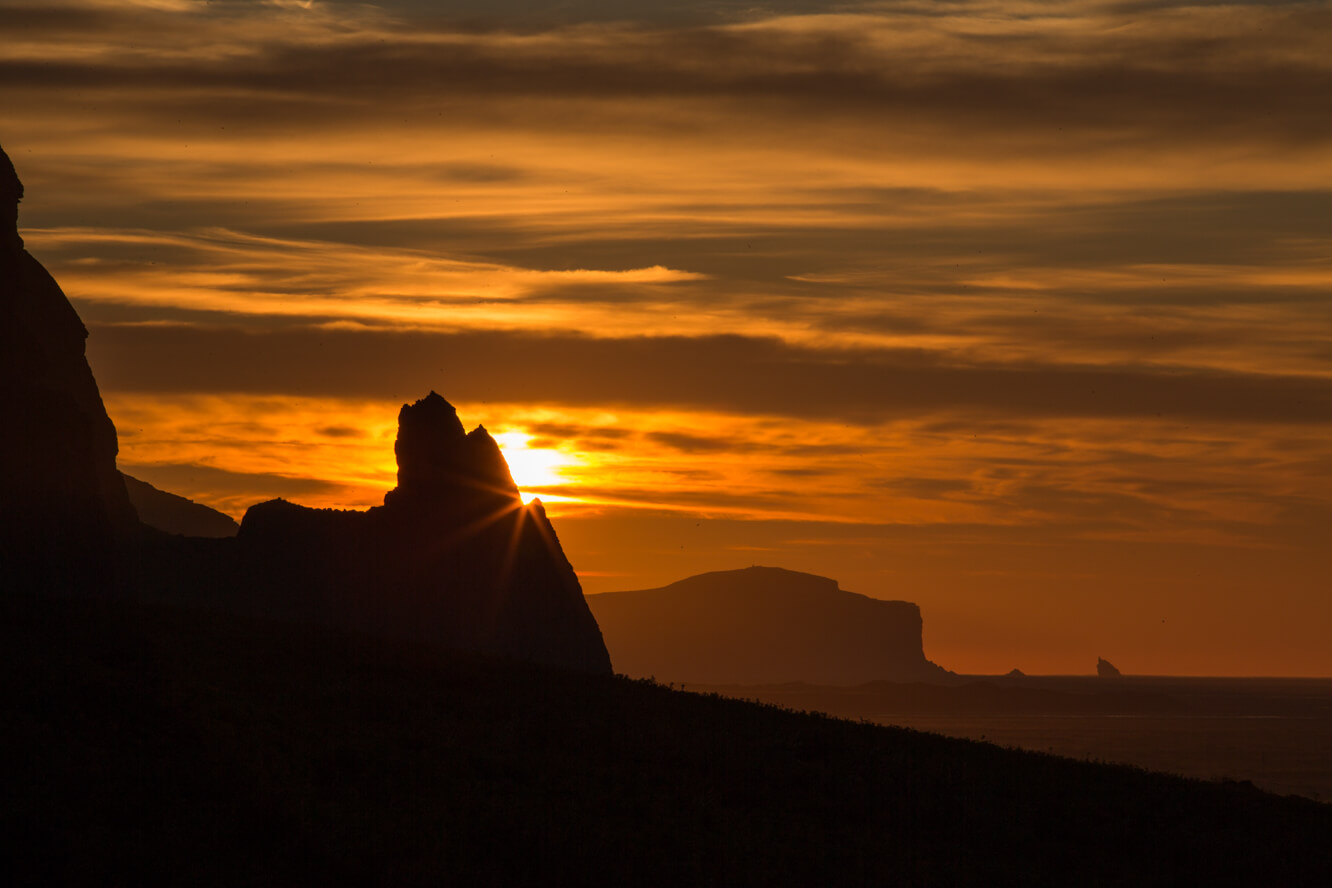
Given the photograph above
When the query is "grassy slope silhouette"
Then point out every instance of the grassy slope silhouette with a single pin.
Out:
(147, 742)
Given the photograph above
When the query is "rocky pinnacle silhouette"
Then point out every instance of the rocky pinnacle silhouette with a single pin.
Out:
(453, 558)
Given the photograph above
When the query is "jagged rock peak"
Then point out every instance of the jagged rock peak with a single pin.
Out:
(11, 192)
(427, 430)
(451, 559)
(435, 454)
(432, 414)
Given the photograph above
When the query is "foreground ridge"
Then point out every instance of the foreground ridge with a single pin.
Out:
(231, 751)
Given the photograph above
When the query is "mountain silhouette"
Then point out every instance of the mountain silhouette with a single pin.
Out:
(171, 513)
(453, 559)
(64, 510)
(762, 625)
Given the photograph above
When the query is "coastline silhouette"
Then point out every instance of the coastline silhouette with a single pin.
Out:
(419, 694)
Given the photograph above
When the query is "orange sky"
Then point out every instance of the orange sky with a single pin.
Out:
(1019, 311)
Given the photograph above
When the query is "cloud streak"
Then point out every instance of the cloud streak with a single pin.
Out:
(729, 373)
(978, 297)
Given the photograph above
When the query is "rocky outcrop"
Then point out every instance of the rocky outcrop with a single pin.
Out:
(174, 514)
(1106, 669)
(762, 625)
(452, 558)
(64, 511)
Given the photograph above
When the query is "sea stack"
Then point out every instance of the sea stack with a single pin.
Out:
(64, 512)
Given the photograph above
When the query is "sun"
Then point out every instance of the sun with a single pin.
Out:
(532, 467)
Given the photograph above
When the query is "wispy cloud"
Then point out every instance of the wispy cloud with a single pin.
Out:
(757, 376)
(977, 278)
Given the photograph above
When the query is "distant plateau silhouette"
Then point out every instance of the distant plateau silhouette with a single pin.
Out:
(762, 625)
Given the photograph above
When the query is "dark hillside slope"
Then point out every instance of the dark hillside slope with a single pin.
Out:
(174, 514)
(147, 744)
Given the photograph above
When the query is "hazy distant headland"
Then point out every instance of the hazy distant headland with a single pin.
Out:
(762, 625)
(175, 514)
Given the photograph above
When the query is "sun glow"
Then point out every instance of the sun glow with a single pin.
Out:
(533, 467)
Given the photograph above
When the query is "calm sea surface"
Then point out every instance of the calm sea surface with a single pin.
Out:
(1275, 733)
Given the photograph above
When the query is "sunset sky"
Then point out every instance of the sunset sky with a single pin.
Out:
(1021, 311)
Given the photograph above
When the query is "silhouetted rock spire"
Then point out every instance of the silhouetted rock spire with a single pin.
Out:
(428, 432)
(63, 505)
(438, 462)
(453, 558)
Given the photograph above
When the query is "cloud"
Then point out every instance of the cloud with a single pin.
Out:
(1089, 81)
(687, 443)
(733, 373)
(999, 293)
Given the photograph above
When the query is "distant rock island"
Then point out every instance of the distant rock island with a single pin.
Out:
(762, 625)
(453, 558)
(1106, 669)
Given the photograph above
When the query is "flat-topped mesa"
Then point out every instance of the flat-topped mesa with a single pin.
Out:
(438, 461)
(763, 625)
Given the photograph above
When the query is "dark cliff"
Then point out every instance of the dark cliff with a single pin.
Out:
(63, 507)
(453, 557)
(762, 625)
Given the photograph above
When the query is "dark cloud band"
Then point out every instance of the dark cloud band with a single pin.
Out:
(729, 373)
